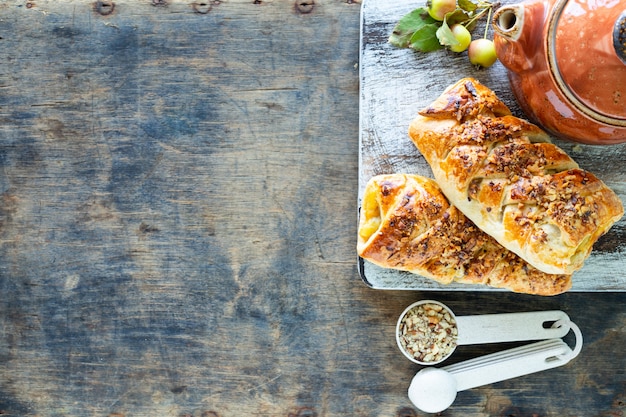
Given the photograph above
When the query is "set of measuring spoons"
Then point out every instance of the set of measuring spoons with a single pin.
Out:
(428, 332)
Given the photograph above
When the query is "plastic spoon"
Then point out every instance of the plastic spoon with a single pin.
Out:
(432, 390)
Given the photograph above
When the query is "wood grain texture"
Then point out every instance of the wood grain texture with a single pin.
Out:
(178, 186)
(397, 83)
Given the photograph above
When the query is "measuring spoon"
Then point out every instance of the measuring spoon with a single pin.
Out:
(432, 390)
(418, 341)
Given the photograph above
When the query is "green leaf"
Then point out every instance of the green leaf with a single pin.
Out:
(445, 35)
(425, 38)
(457, 16)
(467, 5)
(408, 25)
(471, 25)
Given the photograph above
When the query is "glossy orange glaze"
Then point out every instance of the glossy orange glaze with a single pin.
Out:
(589, 75)
(588, 59)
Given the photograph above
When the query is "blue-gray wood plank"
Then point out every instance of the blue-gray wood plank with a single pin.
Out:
(178, 185)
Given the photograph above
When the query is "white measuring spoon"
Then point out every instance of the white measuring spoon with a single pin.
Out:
(432, 390)
(493, 328)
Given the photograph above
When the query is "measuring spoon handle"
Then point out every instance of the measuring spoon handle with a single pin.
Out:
(525, 360)
(511, 327)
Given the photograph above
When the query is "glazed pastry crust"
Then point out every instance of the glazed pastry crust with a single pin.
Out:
(406, 223)
(505, 175)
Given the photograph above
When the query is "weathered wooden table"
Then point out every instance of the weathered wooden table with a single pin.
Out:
(178, 202)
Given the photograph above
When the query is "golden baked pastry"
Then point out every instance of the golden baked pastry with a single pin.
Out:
(407, 224)
(506, 176)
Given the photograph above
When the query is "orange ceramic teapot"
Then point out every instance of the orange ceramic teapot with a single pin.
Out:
(566, 61)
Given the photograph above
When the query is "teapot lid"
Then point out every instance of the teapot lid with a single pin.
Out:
(586, 55)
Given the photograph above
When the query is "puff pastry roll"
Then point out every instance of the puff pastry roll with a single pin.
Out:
(406, 223)
(506, 176)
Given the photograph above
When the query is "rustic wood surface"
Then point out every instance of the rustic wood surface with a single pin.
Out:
(179, 185)
(397, 83)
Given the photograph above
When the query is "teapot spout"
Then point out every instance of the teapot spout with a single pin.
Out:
(508, 21)
(517, 34)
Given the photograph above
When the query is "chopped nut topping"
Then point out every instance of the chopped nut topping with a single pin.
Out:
(428, 332)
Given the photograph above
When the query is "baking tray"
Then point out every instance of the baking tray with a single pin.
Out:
(395, 83)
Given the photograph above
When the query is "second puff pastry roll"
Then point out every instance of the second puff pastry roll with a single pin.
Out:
(407, 224)
(504, 174)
